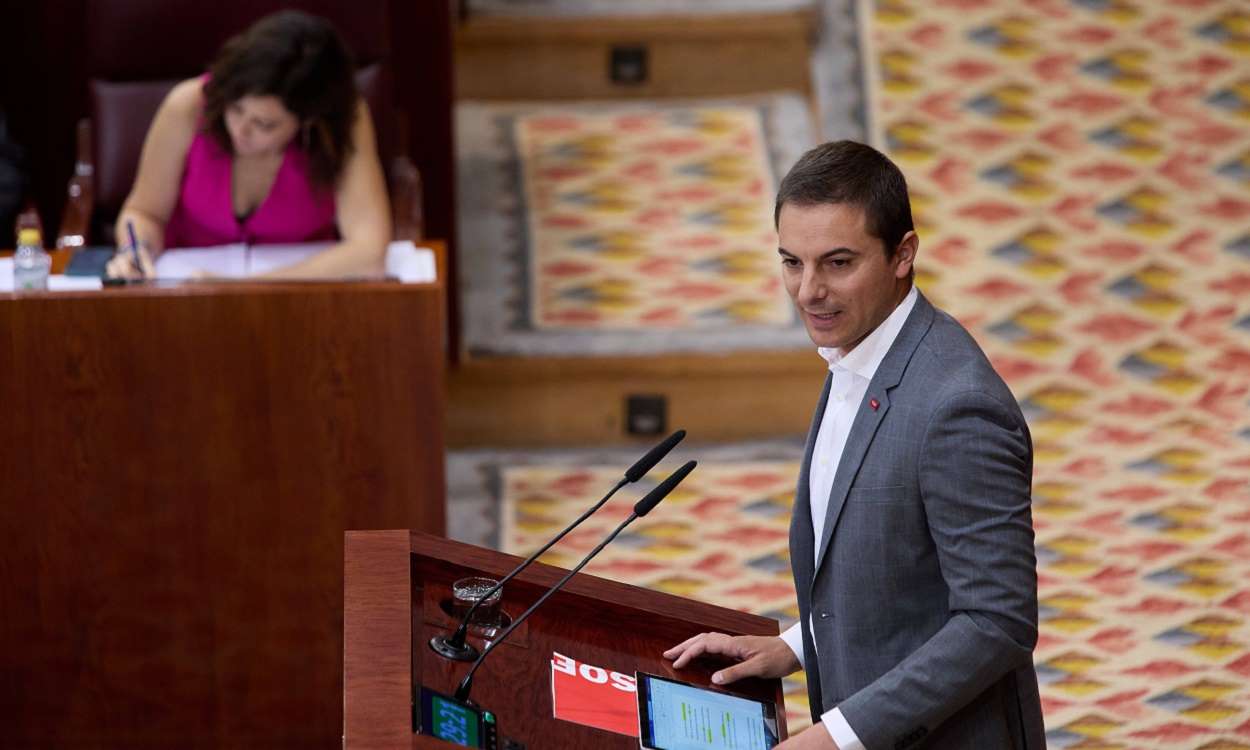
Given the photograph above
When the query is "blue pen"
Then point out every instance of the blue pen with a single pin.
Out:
(134, 247)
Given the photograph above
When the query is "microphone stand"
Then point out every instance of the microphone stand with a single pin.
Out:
(641, 508)
(456, 647)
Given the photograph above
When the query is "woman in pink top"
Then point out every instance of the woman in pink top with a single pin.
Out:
(274, 145)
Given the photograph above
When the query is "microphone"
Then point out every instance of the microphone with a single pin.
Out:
(455, 647)
(641, 508)
(653, 457)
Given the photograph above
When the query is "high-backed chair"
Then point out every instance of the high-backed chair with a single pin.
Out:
(136, 51)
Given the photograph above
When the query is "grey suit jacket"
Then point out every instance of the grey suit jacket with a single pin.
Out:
(922, 593)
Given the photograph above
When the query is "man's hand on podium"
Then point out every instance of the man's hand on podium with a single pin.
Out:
(765, 656)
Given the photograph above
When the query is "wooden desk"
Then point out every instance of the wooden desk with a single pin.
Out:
(394, 582)
(180, 466)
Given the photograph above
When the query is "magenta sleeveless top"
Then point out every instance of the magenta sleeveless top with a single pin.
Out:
(295, 210)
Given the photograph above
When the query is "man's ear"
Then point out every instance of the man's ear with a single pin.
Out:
(905, 255)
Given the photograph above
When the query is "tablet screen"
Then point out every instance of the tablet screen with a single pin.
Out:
(678, 716)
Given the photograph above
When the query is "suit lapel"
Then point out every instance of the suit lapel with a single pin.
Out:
(867, 419)
(802, 542)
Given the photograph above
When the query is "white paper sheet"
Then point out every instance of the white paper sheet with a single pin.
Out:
(59, 283)
(185, 262)
(265, 258)
(409, 263)
(404, 260)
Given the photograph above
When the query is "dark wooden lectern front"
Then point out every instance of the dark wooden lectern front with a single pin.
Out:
(181, 464)
(394, 585)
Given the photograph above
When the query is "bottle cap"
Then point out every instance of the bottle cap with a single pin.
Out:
(29, 236)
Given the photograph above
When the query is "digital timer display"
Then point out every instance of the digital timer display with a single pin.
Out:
(453, 722)
(448, 719)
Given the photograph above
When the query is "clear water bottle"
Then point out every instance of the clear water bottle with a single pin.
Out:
(30, 263)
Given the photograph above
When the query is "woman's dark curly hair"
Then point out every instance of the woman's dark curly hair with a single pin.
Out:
(301, 60)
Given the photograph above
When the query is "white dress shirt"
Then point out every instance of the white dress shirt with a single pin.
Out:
(850, 373)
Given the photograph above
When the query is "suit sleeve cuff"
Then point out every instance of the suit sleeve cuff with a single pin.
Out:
(843, 736)
(793, 636)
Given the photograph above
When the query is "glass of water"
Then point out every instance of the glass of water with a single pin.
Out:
(466, 591)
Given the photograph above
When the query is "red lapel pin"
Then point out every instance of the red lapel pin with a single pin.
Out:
(875, 404)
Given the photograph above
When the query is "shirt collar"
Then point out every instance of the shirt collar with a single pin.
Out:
(864, 359)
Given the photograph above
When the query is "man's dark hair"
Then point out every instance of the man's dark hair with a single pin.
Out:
(300, 59)
(857, 175)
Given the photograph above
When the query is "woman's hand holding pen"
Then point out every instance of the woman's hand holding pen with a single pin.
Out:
(133, 261)
(123, 266)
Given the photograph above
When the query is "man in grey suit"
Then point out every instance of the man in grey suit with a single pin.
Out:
(911, 541)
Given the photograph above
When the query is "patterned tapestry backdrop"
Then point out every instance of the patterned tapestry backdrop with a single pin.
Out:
(1081, 177)
(626, 227)
(1082, 172)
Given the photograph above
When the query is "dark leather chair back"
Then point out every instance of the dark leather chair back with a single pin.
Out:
(137, 50)
(120, 116)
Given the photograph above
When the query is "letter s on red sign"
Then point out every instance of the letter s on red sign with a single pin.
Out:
(624, 682)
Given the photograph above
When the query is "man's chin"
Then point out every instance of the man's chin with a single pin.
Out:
(824, 339)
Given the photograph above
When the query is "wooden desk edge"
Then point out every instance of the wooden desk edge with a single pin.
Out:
(377, 640)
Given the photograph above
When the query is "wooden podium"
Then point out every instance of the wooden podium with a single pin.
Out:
(180, 466)
(395, 586)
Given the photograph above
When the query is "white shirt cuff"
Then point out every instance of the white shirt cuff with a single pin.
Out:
(843, 736)
(793, 636)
